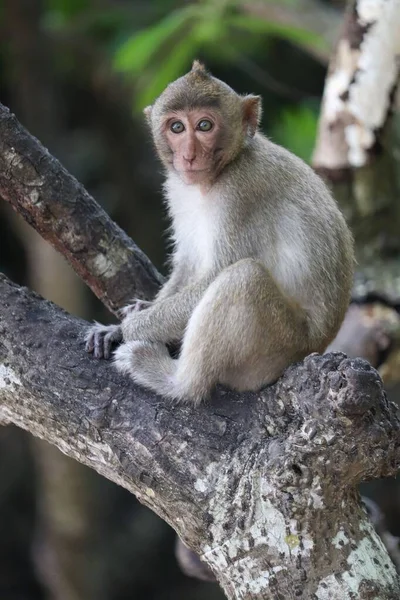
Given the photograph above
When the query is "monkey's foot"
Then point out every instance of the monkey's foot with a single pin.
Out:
(148, 363)
(100, 339)
(136, 306)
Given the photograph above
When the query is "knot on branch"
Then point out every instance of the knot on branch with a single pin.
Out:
(340, 416)
(356, 389)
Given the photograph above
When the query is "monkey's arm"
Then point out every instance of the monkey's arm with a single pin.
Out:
(176, 281)
(101, 339)
(166, 319)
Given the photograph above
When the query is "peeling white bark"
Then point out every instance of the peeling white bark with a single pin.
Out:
(275, 541)
(359, 87)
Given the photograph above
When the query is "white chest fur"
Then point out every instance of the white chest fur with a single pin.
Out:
(195, 221)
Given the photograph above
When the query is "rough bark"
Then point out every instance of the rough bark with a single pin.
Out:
(392, 543)
(262, 486)
(61, 210)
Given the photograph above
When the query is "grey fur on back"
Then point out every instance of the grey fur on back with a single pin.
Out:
(284, 215)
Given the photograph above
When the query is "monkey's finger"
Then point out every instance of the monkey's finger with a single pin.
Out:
(98, 345)
(108, 342)
(89, 346)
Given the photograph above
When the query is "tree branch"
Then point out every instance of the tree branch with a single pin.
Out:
(60, 209)
(247, 481)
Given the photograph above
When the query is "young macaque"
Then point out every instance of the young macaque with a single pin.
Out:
(262, 262)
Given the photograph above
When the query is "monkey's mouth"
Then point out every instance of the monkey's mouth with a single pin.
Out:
(192, 171)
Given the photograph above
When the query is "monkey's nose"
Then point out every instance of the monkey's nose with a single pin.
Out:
(189, 159)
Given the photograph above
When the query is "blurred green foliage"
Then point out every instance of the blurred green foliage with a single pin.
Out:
(154, 43)
(296, 129)
(66, 8)
(162, 51)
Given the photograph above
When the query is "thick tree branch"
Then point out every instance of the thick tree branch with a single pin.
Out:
(247, 481)
(61, 210)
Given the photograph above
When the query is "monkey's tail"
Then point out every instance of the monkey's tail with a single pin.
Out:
(150, 365)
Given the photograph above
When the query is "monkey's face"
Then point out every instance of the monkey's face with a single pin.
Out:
(194, 138)
(199, 125)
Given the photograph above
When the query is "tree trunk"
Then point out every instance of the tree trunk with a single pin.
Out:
(357, 150)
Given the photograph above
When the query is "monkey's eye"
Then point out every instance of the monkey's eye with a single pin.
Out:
(205, 125)
(177, 127)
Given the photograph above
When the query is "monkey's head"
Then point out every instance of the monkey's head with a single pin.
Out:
(199, 125)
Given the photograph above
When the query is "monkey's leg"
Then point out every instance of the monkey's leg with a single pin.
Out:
(242, 333)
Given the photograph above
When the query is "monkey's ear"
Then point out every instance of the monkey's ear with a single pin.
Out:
(252, 111)
(147, 113)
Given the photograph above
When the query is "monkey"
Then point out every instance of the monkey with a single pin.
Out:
(262, 261)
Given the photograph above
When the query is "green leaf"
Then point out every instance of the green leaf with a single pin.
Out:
(296, 130)
(173, 66)
(261, 26)
(58, 13)
(68, 8)
(137, 51)
(207, 31)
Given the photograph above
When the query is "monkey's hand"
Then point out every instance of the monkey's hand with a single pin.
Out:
(100, 339)
(134, 307)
